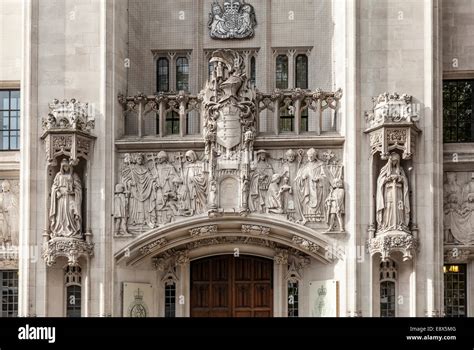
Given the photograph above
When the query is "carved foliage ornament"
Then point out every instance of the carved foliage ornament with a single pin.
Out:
(235, 20)
(386, 244)
(203, 231)
(71, 248)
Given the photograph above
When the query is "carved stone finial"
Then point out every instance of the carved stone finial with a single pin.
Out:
(69, 115)
(391, 109)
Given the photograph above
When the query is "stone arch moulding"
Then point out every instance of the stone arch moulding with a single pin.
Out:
(229, 230)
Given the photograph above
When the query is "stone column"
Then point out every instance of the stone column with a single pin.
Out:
(280, 291)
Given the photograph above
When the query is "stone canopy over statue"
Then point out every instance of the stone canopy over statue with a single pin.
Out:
(229, 176)
(236, 20)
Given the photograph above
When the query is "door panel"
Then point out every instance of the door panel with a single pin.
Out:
(228, 286)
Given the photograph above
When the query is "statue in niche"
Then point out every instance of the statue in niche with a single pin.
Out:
(392, 204)
(195, 183)
(259, 182)
(335, 206)
(163, 174)
(140, 183)
(120, 210)
(66, 202)
(8, 215)
(310, 188)
(273, 199)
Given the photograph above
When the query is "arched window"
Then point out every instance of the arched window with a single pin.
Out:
(253, 71)
(162, 75)
(388, 276)
(72, 281)
(182, 74)
(301, 72)
(281, 72)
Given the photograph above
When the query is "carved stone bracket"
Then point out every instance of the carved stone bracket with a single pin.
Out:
(71, 248)
(394, 241)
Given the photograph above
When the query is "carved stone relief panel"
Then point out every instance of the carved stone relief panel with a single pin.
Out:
(9, 222)
(459, 208)
(302, 186)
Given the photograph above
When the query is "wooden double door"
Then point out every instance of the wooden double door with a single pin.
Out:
(228, 286)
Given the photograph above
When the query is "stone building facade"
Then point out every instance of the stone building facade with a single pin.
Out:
(237, 158)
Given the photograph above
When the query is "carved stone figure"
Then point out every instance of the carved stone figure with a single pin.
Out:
(235, 21)
(139, 181)
(310, 188)
(245, 192)
(273, 199)
(212, 198)
(66, 203)
(459, 208)
(8, 215)
(468, 195)
(335, 206)
(392, 203)
(163, 173)
(120, 210)
(260, 180)
(195, 182)
(287, 199)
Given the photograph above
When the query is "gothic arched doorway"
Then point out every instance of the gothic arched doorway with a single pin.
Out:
(229, 286)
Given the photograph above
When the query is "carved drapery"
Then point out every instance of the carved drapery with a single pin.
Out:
(67, 136)
(392, 134)
(302, 186)
(9, 223)
(230, 176)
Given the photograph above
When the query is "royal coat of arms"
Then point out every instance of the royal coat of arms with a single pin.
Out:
(235, 21)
